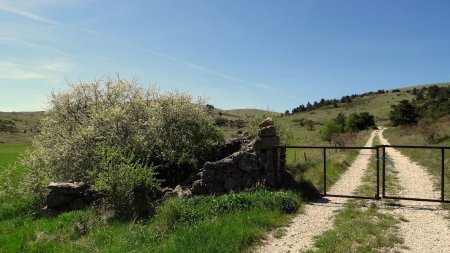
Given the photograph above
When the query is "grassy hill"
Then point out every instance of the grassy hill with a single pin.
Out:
(25, 125)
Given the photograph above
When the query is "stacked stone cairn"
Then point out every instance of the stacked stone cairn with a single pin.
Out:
(251, 165)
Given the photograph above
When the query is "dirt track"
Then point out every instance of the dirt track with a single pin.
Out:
(426, 229)
(318, 217)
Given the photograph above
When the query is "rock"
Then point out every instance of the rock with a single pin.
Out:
(266, 122)
(269, 161)
(182, 191)
(169, 194)
(68, 188)
(268, 131)
(248, 162)
(198, 188)
(57, 199)
(166, 190)
(208, 175)
(68, 196)
(229, 147)
(230, 183)
(215, 187)
(266, 143)
(247, 181)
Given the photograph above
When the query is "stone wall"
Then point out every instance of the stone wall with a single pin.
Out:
(251, 165)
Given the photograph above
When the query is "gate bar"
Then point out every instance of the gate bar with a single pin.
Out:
(384, 172)
(351, 196)
(378, 172)
(418, 199)
(442, 174)
(324, 171)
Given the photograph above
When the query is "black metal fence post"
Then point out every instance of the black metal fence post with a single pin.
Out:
(384, 172)
(275, 166)
(378, 171)
(324, 171)
(442, 174)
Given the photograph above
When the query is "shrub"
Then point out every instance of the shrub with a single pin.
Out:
(126, 183)
(359, 122)
(167, 130)
(429, 130)
(403, 113)
(329, 129)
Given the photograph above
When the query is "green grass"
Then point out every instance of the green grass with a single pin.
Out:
(361, 226)
(9, 153)
(307, 164)
(359, 230)
(229, 223)
(12, 202)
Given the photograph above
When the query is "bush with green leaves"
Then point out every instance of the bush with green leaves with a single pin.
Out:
(167, 130)
(127, 183)
(404, 113)
(339, 130)
(359, 122)
(329, 129)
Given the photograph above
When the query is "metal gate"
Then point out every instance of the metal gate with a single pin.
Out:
(442, 174)
(377, 148)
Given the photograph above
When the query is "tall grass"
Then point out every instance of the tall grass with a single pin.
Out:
(229, 223)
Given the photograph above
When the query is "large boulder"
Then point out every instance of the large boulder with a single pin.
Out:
(68, 195)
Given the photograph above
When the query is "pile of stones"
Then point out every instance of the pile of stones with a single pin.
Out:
(250, 166)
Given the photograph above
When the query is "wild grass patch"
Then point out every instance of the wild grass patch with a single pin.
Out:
(228, 223)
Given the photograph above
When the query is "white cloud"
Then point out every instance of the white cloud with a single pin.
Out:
(8, 7)
(9, 70)
(49, 70)
(263, 86)
(59, 65)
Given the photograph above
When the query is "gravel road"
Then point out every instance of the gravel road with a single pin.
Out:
(318, 216)
(426, 229)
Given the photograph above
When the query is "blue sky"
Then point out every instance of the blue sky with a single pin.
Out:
(239, 54)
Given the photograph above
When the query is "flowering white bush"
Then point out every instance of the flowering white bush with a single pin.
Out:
(168, 130)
